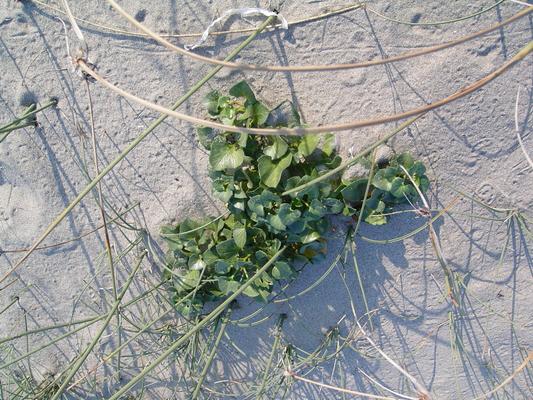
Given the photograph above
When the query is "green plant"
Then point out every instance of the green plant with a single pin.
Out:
(213, 257)
(28, 118)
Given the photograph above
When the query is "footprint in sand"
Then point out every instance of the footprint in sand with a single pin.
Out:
(21, 214)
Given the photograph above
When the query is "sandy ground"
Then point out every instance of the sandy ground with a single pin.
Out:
(469, 145)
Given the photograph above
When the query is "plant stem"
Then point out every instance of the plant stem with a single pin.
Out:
(211, 357)
(6, 129)
(355, 159)
(107, 240)
(271, 358)
(97, 337)
(131, 146)
(200, 325)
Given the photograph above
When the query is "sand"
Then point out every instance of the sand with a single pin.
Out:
(470, 145)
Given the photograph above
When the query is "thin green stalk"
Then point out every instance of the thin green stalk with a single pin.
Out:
(50, 343)
(100, 332)
(355, 159)
(413, 232)
(361, 286)
(119, 216)
(6, 129)
(90, 320)
(434, 23)
(323, 276)
(131, 339)
(200, 325)
(275, 346)
(179, 234)
(352, 242)
(5, 132)
(47, 328)
(9, 305)
(212, 354)
(107, 239)
(131, 146)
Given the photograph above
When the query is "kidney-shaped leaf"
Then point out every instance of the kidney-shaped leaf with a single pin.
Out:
(225, 156)
(242, 89)
(355, 191)
(308, 144)
(270, 172)
(285, 217)
(282, 270)
(277, 149)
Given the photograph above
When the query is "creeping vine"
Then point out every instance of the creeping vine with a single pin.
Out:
(213, 257)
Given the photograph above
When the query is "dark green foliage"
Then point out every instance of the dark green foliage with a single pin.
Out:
(250, 174)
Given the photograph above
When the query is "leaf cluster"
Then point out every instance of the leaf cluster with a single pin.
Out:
(210, 259)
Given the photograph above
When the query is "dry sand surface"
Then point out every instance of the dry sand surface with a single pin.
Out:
(458, 349)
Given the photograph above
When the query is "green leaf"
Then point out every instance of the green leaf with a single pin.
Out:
(406, 160)
(196, 263)
(317, 209)
(228, 286)
(222, 267)
(376, 217)
(383, 178)
(282, 270)
(294, 117)
(417, 169)
(227, 248)
(257, 204)
(223, 102)
(277, 149)
(308, 144)
(242, 89)
(310, 237)
(239, 235)
(260, 113)
(312, 250)
(284, 217)
(250, 291)
(243, 139)
(225, 156)
(399, 189)
(423, 185)
(211, 102)
(328, 147)
(334, 206)
(188, 281)
(186, 226)
(205, 137)
(270, 172)
(355, 191)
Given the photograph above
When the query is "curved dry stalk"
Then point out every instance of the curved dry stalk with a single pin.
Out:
(433, 23)
(317, 129)
(128, 149)
(422, 392)
(308, 68)
(508, 380)
(375, 382)
(338, 389)
(517, 128)
(214, 33)
(435, 242)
